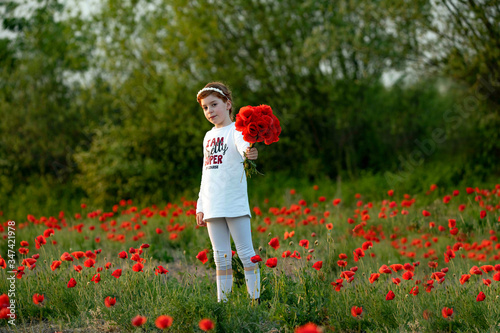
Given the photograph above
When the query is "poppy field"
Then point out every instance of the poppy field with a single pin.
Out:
(411, 262)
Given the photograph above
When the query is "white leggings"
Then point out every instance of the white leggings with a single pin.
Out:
(220, 230)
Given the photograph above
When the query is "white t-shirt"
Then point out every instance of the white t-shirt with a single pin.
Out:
(223, 190)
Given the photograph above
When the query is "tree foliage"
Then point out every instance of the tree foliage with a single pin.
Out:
(108, 102)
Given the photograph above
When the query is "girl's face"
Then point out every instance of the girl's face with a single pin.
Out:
(216, 111)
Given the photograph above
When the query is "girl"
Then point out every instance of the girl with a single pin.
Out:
(223, 201)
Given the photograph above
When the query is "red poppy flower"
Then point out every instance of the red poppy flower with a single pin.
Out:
(117, 273)
(390, 296)
(475, 271)
(29, 262)
(96, 278)
(384, 269)
(138, 321)
(39, 241)
(336, 202)
(123, 255)
(296, 255)
(329, 226)
(433, 264)
(487, 268)
(308, 328)
(272, 262)
(496, 277)
(304, 243)
(38, 299)
(138, 267)
(408, 275)
(409, 267)
(482, 214)
(367, 245)
(317, 265)
(347, 274)
(66, 257)
(257, 124)
(426, 213)
(48, 232)
(90, 254)
(414, 291)
(342, 256)
(342, 263)
(396, 281)
(89, 262)
(337, 284)
(487, 282)
(447, 312)
(480, 297)
(256, 259)
(275, 243)
(55, 264)
(3, 264)
(78, 268)
(356, 312)
(464, 278)
(71, 283)
(454, 231)
(374, 277)
(160, 270)
(286, 254)
(438, 275)
(206, 325)
(78, 254)
(452, 223)
(109, 302)
(202, 256)
(163, 322)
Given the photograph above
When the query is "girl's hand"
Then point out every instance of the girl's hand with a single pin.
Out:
(199, 220)
(252, 153)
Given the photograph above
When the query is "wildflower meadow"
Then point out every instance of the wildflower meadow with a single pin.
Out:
(411, 262)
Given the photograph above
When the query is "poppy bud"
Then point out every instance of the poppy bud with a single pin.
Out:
(260, 248)
(316, 242)
(291, 243)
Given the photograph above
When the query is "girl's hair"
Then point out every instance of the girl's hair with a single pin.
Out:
(224, 89)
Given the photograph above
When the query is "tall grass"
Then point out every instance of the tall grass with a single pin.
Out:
(293, 293)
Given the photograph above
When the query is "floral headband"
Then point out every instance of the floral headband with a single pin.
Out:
(211, 88)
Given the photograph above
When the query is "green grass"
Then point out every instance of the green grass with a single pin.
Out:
(293, 293)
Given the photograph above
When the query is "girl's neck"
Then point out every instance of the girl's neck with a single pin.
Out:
(224, 124)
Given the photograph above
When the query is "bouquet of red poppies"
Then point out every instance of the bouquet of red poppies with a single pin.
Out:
(257, 124)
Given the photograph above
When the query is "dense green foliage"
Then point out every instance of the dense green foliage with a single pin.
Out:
(102, 106)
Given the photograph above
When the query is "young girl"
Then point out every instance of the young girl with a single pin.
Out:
(223, 201)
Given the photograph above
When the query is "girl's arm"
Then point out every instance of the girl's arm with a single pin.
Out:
(244, 147)
(199, 204)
